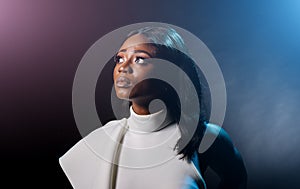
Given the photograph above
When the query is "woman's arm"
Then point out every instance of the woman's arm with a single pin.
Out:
(224, 159)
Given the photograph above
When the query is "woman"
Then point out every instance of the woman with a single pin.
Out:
(158, 145)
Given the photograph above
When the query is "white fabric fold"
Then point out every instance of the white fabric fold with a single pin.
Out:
(146, 159)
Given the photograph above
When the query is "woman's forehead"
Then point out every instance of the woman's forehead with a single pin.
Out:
(135, 43)
(135, 39)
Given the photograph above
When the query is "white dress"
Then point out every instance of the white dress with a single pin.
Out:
(133, 153)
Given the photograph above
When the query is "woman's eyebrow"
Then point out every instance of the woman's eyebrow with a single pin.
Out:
(137, 51)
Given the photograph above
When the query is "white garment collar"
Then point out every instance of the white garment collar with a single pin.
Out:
(148, 123)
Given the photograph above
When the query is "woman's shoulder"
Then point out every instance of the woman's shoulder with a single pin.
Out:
(113, 123)
(213, 134)
(220, 154)
(108, 129)
(213, 129)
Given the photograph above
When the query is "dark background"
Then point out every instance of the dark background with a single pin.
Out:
(256, 44)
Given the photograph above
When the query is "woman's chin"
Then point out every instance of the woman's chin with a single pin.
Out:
(122, 93)
(132, 95)
(123, 96)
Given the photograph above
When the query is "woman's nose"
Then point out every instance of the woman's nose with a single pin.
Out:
(125, 67)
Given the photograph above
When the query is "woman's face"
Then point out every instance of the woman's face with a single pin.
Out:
(132, 67)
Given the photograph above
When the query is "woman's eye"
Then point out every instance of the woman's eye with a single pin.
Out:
(119, 59)
(140, 60)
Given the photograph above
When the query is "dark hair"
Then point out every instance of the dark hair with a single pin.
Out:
(170, 46)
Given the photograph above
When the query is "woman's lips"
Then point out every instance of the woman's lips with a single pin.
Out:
(123, 82)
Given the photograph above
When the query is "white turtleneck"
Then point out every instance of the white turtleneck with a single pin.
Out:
(146, 158)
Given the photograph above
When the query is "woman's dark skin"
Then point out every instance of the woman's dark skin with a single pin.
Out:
(131, 68)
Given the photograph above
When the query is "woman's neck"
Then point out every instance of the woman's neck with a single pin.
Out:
(141, 109)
